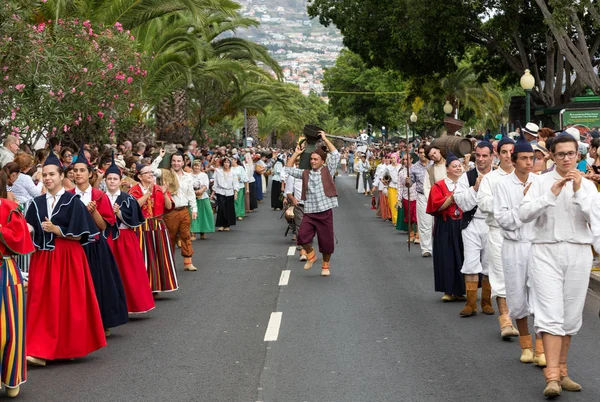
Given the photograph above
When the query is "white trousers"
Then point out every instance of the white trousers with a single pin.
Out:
(425, 224)
(560, 274)
(495, 260)
(475, 239)
(515, 262)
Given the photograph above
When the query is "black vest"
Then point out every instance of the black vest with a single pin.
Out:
(468, 215)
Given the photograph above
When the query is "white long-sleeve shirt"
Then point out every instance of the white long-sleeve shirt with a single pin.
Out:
(185, 195)
(224, 182)
(466, 197)
(393, 172)
(440, 173)
(487, 193)
(508, 196)
(379, 172)
(558, 218)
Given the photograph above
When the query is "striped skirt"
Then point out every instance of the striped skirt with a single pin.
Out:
(158, 255)
(12, 326)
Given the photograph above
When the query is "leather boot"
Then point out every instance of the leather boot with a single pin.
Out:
(565, 382)
(486, 297)
(553, 387)
(540, 356)
(471, 306)
(526, 349)
(507, 330)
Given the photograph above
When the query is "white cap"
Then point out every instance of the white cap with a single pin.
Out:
(532, 128)
(574, 133)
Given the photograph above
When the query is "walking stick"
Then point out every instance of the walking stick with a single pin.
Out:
(408, 176)
(408, 195)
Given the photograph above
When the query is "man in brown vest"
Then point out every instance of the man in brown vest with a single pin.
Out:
(320, 197)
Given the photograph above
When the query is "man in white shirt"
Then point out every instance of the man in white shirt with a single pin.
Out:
(485, 202)
(516, 246)
(475, 233)
(178, 220)
(561, 255)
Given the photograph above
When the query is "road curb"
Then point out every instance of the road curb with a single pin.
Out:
(595, 282)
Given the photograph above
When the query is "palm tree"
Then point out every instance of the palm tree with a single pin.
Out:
(462, 90)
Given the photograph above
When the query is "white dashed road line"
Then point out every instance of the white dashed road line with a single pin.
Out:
(273, 327)
(291, 251)
(284, 278)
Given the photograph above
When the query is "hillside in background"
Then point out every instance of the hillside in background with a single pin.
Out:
(301, 45)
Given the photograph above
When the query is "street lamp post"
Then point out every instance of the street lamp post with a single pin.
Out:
(448, 108)
(527, 83)
(413, 120)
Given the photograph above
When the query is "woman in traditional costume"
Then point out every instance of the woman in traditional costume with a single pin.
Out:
(14, 240)
(242, 187)
(125, 244)
(226, 193)
(276, 199)
(63, 317)
(249, 166)
(103, 266)
(154, 239)
(447, 237)
(205, 220)
(404, 206)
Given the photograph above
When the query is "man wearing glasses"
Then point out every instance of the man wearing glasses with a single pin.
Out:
(559, 206)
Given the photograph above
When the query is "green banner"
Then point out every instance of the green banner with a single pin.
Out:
(584, 117)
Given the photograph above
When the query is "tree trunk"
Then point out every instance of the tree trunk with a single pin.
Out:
(252, 127)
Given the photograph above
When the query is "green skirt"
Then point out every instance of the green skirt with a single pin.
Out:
(205, 222)
(240, 209)
(400, 224)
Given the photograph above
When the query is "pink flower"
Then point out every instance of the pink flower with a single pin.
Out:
(131, 68)
(110, 66)
(118, 26)
(87, 24)
(129, 80)
(20, 87)
(90, 83)
(120, 76)
(13, 114)
(125, 92)
(89, 118)
(73, 90)
(6, 78)
(85, 70)
(51, 93)
(5, 68)
(132, 37)
(100, 114)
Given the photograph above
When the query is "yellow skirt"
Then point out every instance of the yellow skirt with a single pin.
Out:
(392, 201)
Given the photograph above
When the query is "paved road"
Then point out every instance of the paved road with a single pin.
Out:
(373, 331)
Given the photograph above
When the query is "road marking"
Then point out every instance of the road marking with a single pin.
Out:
(273, 327)
(291, 251)
(284, 278)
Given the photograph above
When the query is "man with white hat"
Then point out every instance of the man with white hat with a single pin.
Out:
(531, 132)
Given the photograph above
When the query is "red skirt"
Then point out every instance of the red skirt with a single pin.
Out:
(63, 318)
(413, 210)
(130, 261)
(384, 206)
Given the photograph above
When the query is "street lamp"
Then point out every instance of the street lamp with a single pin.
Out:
(448, 108)
(413, 120)
(527, 83)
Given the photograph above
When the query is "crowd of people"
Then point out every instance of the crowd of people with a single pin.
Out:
(518, 218)
(89, 235)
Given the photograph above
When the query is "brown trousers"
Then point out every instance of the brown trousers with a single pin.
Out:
(178, 223)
